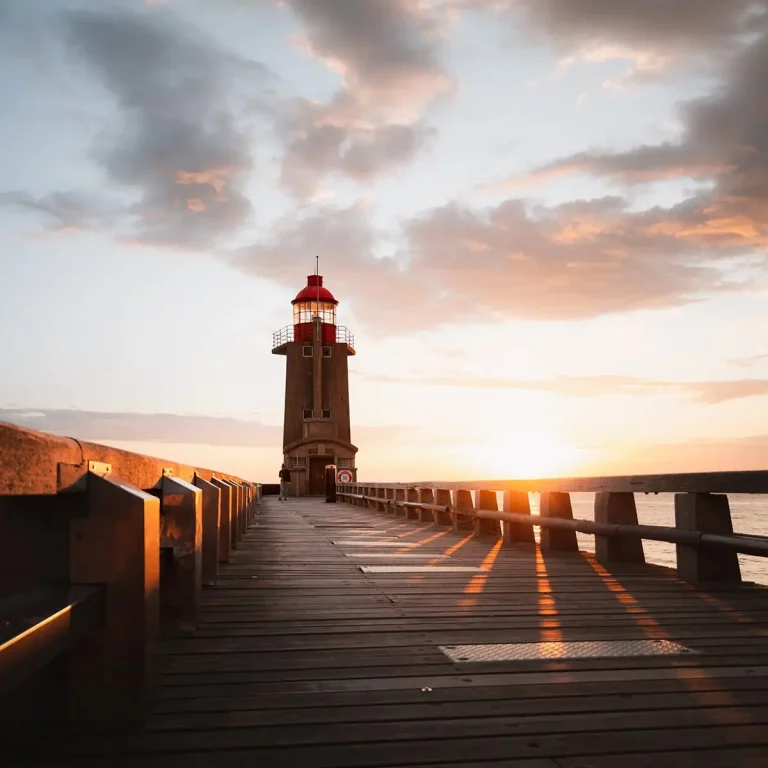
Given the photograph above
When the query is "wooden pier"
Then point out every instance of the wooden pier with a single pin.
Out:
(375, 634)
(303, 659)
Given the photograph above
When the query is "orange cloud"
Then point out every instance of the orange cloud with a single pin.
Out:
(216, 178)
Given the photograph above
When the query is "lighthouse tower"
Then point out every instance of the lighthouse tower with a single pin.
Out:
(316, 428)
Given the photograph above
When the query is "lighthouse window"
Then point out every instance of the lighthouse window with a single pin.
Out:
(326, 413)
(307, 413)
(307, 351)
(326, 351)
(307, 311)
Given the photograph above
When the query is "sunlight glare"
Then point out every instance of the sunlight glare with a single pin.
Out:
(521, 452)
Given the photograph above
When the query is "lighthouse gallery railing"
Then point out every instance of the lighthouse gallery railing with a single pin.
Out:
(285, 335)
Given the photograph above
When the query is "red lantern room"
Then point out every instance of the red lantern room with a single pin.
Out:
(313, 306)
(314, 302)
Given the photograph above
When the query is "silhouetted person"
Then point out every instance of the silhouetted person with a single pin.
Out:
(285, 478)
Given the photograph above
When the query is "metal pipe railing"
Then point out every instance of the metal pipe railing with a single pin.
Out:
(737, 543)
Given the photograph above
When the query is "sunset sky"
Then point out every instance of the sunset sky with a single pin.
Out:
(546, 222)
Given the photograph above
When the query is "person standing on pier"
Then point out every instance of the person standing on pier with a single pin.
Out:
(285, 478)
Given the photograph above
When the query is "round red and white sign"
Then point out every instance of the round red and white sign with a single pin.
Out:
(344, 476)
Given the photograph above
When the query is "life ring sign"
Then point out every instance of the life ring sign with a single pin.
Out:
(344, 476)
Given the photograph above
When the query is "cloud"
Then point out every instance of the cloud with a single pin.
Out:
(321, 140)
(723, 139)
(96, 426)
(656, 36)
(724, 142)
(179, 140)
(575, 260)
(386, 53)
(145, 427)
(67, 211)
(746, 362)
(714, 455)
(707, 392)
(455, 264)
(179, 154)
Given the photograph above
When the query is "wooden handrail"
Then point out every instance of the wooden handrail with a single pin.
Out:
(39, 625)
(741, 543)
(37, 463)
(707, 547)
(744, 544)
(143, 533)
(752, 481)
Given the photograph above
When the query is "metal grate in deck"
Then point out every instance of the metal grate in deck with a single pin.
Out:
(366, 543)
(566, 650)
(421, 569)
(381, 556)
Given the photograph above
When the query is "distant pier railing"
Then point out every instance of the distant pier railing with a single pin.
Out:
(102, 553)
(707, 547)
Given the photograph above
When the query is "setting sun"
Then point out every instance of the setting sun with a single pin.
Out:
(519, 453)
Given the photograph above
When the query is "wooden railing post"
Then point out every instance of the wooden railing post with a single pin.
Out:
(400, 496)
(225, 520)
(411, 513)
(426, 496)
(707, 513)
(117, 544)
(390, 493)
(246, 505)
(483, 527)
(617, 508)
(249, 505)
(556, 504)
(242, 522)
(443, 498)
(181, 561)
(517, 502)
(237, 516)
(240, 496)
(211, 515)
(462, 500)
(234, 521)
(381, 506)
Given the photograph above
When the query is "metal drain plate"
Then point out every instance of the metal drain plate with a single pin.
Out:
(358, 531)
(382, 555)
(421, 569)
(576, 650)
(366, 543)
(347, 526)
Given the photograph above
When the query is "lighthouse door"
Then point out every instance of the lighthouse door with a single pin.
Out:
(317, 474)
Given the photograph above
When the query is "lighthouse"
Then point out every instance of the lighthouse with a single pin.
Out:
(316, 425)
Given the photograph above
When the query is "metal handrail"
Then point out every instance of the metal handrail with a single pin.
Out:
(286, 335)
(742, 543)
(345, 336)
(283, 336)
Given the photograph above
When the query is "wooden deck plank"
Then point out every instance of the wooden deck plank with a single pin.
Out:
(302, 659)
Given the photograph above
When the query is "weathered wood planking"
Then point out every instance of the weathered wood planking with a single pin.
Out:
(302, 659)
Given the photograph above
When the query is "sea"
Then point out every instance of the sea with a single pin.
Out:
(749, 513)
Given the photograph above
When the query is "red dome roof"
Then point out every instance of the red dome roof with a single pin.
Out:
(314, 290)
